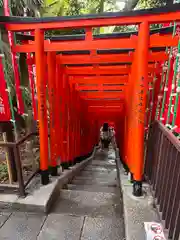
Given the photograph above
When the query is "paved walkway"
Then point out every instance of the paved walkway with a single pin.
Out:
(89, 209)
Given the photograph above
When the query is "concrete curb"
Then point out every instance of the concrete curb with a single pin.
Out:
(136, 210)
(42, 198)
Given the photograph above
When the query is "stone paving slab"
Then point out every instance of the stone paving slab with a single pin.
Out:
(136, 210)
(83, 203)
(3, 217)
(22, 226)
(61, 227)
(103, 229)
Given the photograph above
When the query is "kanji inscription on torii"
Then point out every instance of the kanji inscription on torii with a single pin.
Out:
(141, 102)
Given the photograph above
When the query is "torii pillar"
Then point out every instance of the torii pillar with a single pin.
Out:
(42, 108)
(141, 89)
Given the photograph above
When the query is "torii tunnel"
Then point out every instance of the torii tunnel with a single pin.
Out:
(93, 79)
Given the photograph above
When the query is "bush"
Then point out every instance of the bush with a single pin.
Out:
(3, 172)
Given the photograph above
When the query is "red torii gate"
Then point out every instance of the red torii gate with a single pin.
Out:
(62, 90)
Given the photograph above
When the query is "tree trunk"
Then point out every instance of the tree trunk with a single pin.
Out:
(169, 2)
(130, 4)
(100, 10)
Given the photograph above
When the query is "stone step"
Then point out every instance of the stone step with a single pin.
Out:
(99, 169)
(102, 177)
(109, 163)
(94, 188)
(90, 174)
(90, 208)
(106, 183)
(84, 203)
(106, 164)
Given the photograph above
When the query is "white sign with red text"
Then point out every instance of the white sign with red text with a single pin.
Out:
(154, 231)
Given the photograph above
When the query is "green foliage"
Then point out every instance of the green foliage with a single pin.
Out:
(130, 28)
(3, 172)
(52, 8)
(74, 7)
(61, 8)
(10, 76)
(142, 4)
(78, 7)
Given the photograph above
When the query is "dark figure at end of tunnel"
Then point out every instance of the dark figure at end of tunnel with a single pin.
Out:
(107, 137)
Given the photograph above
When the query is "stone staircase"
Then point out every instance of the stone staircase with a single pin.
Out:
(95, 197)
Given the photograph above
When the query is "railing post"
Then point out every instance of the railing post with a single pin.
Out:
(7, 127)
(141, 87)
(19, 171)
(42, 108)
